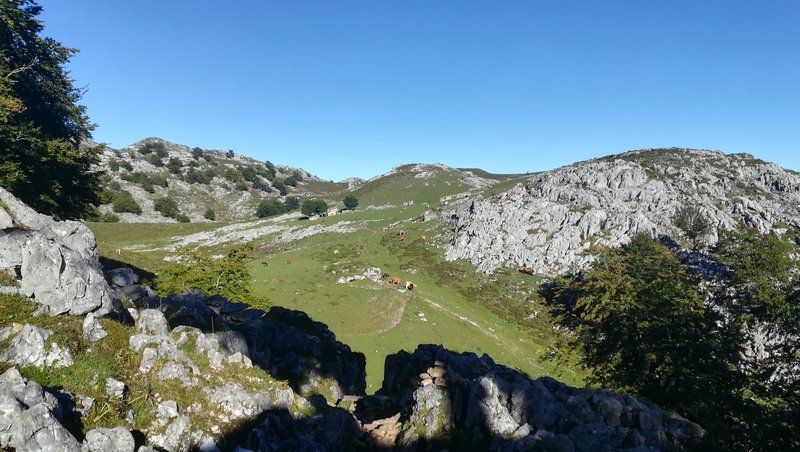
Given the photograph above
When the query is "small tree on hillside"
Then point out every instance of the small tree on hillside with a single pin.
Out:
(350, 201)
(314, 207)
(167, 207)
(122, 201)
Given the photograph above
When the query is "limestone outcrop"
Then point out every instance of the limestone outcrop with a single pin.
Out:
(548, 222)
(55, 262)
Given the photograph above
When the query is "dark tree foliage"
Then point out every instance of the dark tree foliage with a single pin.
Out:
(644, 325)
(197, 153)
(167, 207)
(297, 175)
(314, 207)
(350, 201)
(290, 181)
(269, 208)
(291, 203)
(280, 186)
(210, 214)
(174, 166)
(41, 123)
(230, 154)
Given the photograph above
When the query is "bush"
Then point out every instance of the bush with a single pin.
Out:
(350, 201)
(182, 218)
(280, 187)
(113, 165)
(109, 217)
(297, 175)
(207, 158)
(126, 165)
(154, 160)
(154, 147)
(228, 276)
(194, 176)
(290, 181)
(123, 201)
(314, 207)
(174, 166)
(291, 203)
(269, 207)
(146, 180)
(209, 214)
(167, 207)
(259, 184)
(197, 153)
(248, 173)
(230, 154)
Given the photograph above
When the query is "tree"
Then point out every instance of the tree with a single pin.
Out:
(350, 201)
(174, 166)
(290, 181)
(197, 153)
(230, 154)
(314, 207)
(167, 207)
(42, 125)
(269, 208)
(692, 224)
(291, 203)
(280, 187)
(227, 276)
(642, 327)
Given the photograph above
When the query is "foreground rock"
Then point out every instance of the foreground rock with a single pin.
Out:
(550, 221)
(56, 261)
(465, 401)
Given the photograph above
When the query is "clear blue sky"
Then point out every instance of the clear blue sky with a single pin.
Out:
(351, 88)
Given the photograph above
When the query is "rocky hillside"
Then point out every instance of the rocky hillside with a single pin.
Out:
(114, 367)
(229, 184)
(548, 222)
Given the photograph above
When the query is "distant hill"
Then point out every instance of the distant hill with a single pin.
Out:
(232, 185)
(549, 219)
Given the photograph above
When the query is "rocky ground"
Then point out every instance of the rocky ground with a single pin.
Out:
(548, 222)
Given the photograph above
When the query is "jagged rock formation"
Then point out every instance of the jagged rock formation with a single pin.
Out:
(55, 261)
(548, 223)
(454, 400)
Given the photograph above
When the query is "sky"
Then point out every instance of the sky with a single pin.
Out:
(352, 88)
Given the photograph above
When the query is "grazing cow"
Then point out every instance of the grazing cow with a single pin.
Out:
(264, 264)
(410, 285)
(529, 186)
(384, 275)
(402, 238)
(527, 270)
(385, 229)
(402, 232)
(287, 262)
(335, 252)
(118, 250)
(396, 281)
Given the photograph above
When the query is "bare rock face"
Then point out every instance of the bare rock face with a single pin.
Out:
(28, 349)
(460, 400)
(56, 262)
(549, 222)
(30, 418)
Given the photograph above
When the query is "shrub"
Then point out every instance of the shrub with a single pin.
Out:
(290, 181)
(126, 165)
(174, 166)
(291, 203)
(197, 153)
(182, 218)
(350, 201)
(230, 154)
(207, 157)
(259, 184)
(167, 207)
(269, 207)
(109, 217)
(280, 187)
(209, 214)
(228, 276)
(297, 175)
(113, 165)
(248, 173)
(123, 201)
(146, 180)
(154, 147)
(194, 176)
(154, 160)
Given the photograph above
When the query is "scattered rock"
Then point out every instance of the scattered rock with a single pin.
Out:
(92, 329)
(105, 440)
(122, 277)
(115, 388)
(28, 349)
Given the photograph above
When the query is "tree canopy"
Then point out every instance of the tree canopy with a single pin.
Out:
(350, 201)
(314, 207)
(41, 123)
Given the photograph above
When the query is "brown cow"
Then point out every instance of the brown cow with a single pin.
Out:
(286, 262)
(402, 232)
(396, 281)
(335, 252)
(527, 270)
(402, 238)
(264, 264)
(118, 250)
(385, 229)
